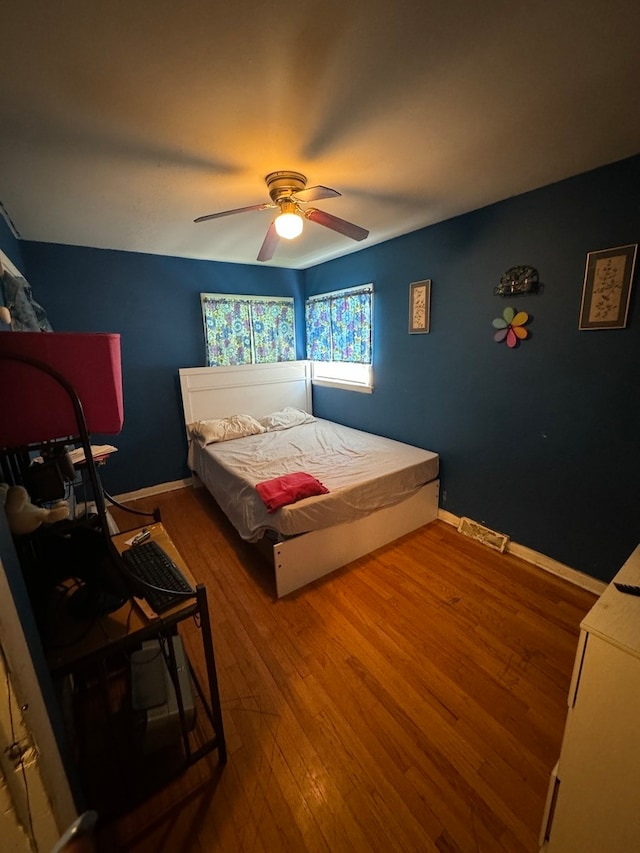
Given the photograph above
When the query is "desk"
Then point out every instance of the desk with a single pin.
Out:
(89, 654)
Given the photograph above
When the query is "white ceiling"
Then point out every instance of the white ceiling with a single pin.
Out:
(121, 121)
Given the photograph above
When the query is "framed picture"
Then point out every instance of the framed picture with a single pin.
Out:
(419, 307)
(607, 288)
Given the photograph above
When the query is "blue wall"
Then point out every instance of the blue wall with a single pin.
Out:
(541, 442)
(154, 304)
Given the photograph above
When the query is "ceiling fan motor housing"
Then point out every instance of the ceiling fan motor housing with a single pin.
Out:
(284, 185)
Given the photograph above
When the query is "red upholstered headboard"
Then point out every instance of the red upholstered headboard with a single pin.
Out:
(34, 408)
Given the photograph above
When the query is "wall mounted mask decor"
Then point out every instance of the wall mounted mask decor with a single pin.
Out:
(518, 280)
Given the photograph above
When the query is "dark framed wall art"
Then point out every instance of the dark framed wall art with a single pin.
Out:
(419, 307)
(607, 288)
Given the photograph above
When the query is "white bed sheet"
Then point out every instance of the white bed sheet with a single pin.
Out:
(363, 473)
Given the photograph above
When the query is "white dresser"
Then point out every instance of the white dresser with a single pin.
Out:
(593, 805)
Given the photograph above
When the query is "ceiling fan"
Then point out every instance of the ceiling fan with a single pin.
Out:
(289, 191)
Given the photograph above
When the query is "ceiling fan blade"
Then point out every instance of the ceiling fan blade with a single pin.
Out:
(355, 232)
(237, 210)
(316, 193)
(269, 244)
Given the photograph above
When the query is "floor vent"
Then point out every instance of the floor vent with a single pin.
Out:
(483, 534)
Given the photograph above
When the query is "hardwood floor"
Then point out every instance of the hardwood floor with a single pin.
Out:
(412, 702)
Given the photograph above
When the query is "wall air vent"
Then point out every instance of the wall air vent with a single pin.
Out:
(473, 530)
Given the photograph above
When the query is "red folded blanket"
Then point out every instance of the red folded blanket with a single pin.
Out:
(288, 489)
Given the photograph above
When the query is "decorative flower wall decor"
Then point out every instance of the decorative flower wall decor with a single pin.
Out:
(511, 327)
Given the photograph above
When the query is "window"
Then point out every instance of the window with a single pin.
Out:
(248, 329)
(339, 336)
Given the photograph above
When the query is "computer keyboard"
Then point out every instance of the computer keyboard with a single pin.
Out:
(163, 583)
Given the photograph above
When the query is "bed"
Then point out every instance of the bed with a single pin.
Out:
(375, 490)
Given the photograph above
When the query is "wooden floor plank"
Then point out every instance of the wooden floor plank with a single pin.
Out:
(413, 701)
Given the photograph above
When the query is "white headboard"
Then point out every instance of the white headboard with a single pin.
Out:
(251, 389)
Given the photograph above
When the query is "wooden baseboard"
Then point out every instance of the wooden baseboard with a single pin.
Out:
(541, 560)
(154, 490)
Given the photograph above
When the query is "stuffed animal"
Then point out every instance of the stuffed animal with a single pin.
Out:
(23, 516)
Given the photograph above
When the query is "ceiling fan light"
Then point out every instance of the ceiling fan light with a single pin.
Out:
(289, 225)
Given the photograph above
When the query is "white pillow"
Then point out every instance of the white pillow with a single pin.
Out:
(224, 429)
(286, 418)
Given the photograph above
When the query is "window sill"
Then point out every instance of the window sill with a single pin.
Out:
(345, 386)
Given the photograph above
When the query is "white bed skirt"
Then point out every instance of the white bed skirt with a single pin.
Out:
(302, 559)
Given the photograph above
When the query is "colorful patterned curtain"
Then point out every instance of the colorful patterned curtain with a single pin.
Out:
(338, 326)
(247, 330)
(274, 334)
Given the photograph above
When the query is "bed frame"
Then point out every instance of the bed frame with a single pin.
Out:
(258, 389)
